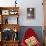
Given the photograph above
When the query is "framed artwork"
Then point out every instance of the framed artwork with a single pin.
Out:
(13, 12)
(30, 13)
(5, 12)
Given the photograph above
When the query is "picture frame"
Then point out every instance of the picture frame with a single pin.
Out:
(13, 12)
(5, 12)
(30, 13)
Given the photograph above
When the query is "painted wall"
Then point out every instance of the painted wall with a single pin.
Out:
(24, 4)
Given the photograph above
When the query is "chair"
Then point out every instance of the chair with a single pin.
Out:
(28, 34)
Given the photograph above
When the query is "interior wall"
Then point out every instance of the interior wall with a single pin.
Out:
(38, 21)
(24, 4)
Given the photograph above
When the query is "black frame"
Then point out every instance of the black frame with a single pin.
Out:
(30, 13)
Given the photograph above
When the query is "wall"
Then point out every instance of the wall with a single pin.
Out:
(24, 4)
(37, 4)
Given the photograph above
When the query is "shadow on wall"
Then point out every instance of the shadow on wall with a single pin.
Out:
(37, 29)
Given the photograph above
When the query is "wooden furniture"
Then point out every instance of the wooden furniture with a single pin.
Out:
(8, 11)
(5, 13)
(10, 43)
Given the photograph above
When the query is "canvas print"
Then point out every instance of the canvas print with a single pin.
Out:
(30, 13)
(5, 12)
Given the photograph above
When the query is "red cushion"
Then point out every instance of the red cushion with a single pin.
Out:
(29, 33)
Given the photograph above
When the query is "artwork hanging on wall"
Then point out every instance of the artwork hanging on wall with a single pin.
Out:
(30, 13)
